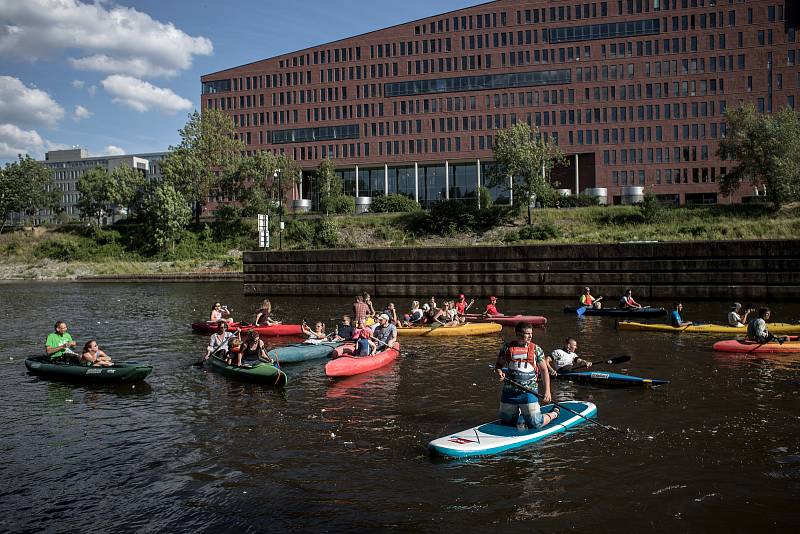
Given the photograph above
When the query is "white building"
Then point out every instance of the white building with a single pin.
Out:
(69, 165)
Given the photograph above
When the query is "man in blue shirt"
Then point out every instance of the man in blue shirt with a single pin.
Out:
(675, 317)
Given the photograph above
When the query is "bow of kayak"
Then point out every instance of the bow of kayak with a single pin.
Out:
(494, 438)
(468, 329)
(601, 378)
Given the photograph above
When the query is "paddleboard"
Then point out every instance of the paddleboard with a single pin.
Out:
(493, 438)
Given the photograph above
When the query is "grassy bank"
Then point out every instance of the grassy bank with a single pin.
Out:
(73, 251)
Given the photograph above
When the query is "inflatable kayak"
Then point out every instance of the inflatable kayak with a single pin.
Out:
(493, 438)
(346, 365)
(207, 327)
(620, 312)
(600, 378)
(752, 347)
(468, 329)
(301, 352)
(507, 320)
(262, 373)
(775, 328)
(119, 372)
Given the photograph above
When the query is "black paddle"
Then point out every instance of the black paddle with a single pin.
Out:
(561, 406)
(612, 361)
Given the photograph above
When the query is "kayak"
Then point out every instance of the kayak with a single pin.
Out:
(647, 311)
(752, 347)
(353, 365)
(301, 352)
(119, 372)
(775, 328)
(207, 327)
(468, 329)
(263, 373)
(493, 438)
(600, 378)
(507, 320)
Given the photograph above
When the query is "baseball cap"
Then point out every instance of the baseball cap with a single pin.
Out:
(383, 316)
(736, 306)
(461, 296)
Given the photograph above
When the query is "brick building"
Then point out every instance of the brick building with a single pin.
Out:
(632, 90)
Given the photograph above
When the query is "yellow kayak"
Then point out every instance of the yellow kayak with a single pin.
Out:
(774, 328)
(468, 329)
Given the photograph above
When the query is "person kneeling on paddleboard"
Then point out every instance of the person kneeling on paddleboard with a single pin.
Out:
(523, 362)
(564, 360)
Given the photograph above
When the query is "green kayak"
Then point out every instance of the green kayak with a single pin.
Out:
(119, 372)
(262, 373)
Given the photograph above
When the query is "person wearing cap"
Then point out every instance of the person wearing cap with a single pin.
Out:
(734, 319)
(588, 300)
(491, 308)
(462, 306)
(385, 333)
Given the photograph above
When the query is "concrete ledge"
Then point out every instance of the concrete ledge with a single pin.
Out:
(757, 270)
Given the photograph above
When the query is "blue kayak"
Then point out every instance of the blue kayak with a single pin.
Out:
(493, 438)
(601, 378)
(301, 352)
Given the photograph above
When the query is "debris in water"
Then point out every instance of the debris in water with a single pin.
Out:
(333, 435)
(69, 400)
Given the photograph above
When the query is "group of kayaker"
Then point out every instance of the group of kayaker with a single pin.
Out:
(230, 347)
(59, 344)
(626, 301)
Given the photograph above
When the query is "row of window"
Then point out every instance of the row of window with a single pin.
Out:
(610, 30)
(477, 83)
(304, 135)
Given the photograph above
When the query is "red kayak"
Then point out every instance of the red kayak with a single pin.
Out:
(207, 327)
(506, 320)
(344, 365)
(753, 347)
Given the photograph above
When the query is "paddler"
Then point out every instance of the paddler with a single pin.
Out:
(564, 360)
(588, 300)
(735, 317)
(58, 342)
(219, 342)
(675, 318)
(627, 302)
(491, 308)
(462, 305)
(758, 331)
(385, 334)
(524, 363)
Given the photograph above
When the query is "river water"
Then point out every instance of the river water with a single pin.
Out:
(188, 450)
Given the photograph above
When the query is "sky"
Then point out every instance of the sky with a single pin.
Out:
(121, 78)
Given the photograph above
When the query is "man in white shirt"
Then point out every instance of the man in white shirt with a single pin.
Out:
(734, 317)
(564, 360)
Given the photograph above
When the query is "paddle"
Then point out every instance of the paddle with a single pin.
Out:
(561, 406)
(612, 361)
(375, 339)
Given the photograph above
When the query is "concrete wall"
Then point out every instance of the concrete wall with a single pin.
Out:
(757, 270)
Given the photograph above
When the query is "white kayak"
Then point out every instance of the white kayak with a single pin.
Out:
(493, 438)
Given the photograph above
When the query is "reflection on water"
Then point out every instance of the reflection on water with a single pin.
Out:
(717, 449)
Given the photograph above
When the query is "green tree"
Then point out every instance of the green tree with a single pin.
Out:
(96, 189)
(329, 187)
(767, 150)
(527, 156)
(165, 214)
(263, 181)
(128, 184)
(27, 186)
(209, 148)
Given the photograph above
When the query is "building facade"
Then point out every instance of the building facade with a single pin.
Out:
(633, 91)
(68, 166)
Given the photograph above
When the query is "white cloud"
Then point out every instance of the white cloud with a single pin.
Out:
(78, 84)
(143, 96)
(81, 113)
(14, 140)
(27, 106)
(108, 38)
(113, 150)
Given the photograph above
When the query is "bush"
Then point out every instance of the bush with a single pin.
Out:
(327, 234)
(451, 217)
(394, 203)
(580, 201)
(299, 233)
(338, 204)
(650, 209)
(539, 232)
(485, 197)
(58, 250)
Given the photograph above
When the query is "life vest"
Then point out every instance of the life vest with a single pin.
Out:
(516, 358)
(588, 300)
(461, 307)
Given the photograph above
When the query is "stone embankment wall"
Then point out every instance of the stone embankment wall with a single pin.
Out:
(759, 270)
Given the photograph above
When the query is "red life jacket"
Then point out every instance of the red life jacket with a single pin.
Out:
(522, 355)
(589, 300)
(460, 307)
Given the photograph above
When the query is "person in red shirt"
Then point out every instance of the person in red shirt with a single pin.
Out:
(462, 306)
(627, 301)
(491, 308)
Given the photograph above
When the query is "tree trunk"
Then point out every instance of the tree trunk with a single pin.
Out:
(530, 212)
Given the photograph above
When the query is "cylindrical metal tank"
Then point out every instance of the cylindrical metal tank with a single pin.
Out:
(600, 193)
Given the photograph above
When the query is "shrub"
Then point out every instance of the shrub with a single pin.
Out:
(394, 203)
(58, 250)
(338, 204)
(580, 201)
(299, 233)
(485, 197)
(327, 234)
(651, 209)
(539, 232)
(450, 217)
(511, 236)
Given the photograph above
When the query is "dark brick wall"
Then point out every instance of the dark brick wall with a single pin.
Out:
(758, 270)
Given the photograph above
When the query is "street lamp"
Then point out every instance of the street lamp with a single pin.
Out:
(278, 174)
